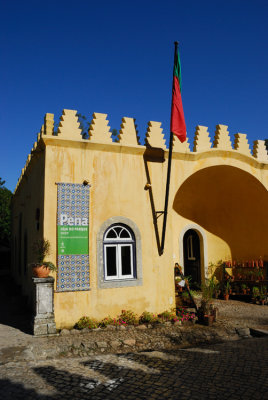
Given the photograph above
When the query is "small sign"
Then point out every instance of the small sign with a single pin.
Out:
(72, 239)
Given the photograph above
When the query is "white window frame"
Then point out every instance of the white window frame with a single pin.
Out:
(118, 243)
(137, 255)
(118, 256)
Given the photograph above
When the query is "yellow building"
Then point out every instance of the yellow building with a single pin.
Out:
(96, 201)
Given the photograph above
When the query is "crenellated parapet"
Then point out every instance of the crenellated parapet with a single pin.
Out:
(69, 126)
(180, 147)
(201, 139)
(128, 134)
(42, 131)
(222, 139)
(34, 147)
(49, 124)
(260, 151)
(99, 130)
(154, 135)
(241, 144)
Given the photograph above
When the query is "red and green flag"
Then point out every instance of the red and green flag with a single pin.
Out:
(177, 122)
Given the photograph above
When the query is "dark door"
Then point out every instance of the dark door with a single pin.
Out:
(191, 254)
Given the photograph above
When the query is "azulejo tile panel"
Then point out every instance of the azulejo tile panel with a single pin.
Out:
(72, 237)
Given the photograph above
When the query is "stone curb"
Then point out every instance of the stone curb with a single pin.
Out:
(84, 343)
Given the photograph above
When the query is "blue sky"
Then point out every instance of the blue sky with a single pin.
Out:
(116, 57)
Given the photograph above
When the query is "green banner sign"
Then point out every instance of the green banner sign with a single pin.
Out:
(72, 239)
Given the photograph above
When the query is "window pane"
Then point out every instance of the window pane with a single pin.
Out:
(126, 260)
(118, 230)
(125, 234)
(111, 260)
(111, 234)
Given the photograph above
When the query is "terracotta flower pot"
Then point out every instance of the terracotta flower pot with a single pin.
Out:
(40, 271)
(226, 297)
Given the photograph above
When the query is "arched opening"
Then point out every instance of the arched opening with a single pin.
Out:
(192, 256)
(230, 204)
(119, 253)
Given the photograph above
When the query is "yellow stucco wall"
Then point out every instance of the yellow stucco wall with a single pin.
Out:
(223, 194)
(28, 198)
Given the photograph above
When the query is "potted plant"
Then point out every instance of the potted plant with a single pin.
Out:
(185, 297)
(255, 293)
(226, 291)
(41, 268)
(244, 288)
(262, 294)
(204, 311)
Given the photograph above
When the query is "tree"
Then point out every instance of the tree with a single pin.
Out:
(114, 135)
(84, 125)
(266, 144)
(5, 213)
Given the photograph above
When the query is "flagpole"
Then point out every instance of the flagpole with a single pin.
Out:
(168, 175)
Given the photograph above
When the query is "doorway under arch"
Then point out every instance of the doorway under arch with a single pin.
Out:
(202, 238)
(192, 256)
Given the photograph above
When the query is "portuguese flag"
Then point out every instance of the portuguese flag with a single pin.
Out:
(177, 122)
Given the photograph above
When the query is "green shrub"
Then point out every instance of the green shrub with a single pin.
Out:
(106, 321)
(86, 322)
(263, 292)
(166, 316)
(185, 295)
(255, 291)
(148, 318)
(128, 317)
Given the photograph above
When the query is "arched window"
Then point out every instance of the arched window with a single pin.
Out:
(119, 253)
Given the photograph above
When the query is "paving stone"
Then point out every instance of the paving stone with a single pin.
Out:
(141, 327)
(129, 342)
(102, 344)
(115, 343)
(121, 328)
(74, 331)
(65, 332)
(243, 331)
(110, 328)
(85, 330)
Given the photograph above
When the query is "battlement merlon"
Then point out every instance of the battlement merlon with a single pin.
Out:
(69, 134)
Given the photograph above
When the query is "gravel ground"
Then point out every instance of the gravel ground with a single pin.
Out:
(239, 313)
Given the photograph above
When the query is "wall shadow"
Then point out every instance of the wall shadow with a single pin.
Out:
(170, 374)
(231, 204)
(14, 310)
(153, 156)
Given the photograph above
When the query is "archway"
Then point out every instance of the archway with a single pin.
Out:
(229, 203)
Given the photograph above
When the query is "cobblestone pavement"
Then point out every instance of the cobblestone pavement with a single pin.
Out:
(231, 370)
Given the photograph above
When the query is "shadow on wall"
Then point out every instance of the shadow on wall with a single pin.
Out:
(229, 203)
